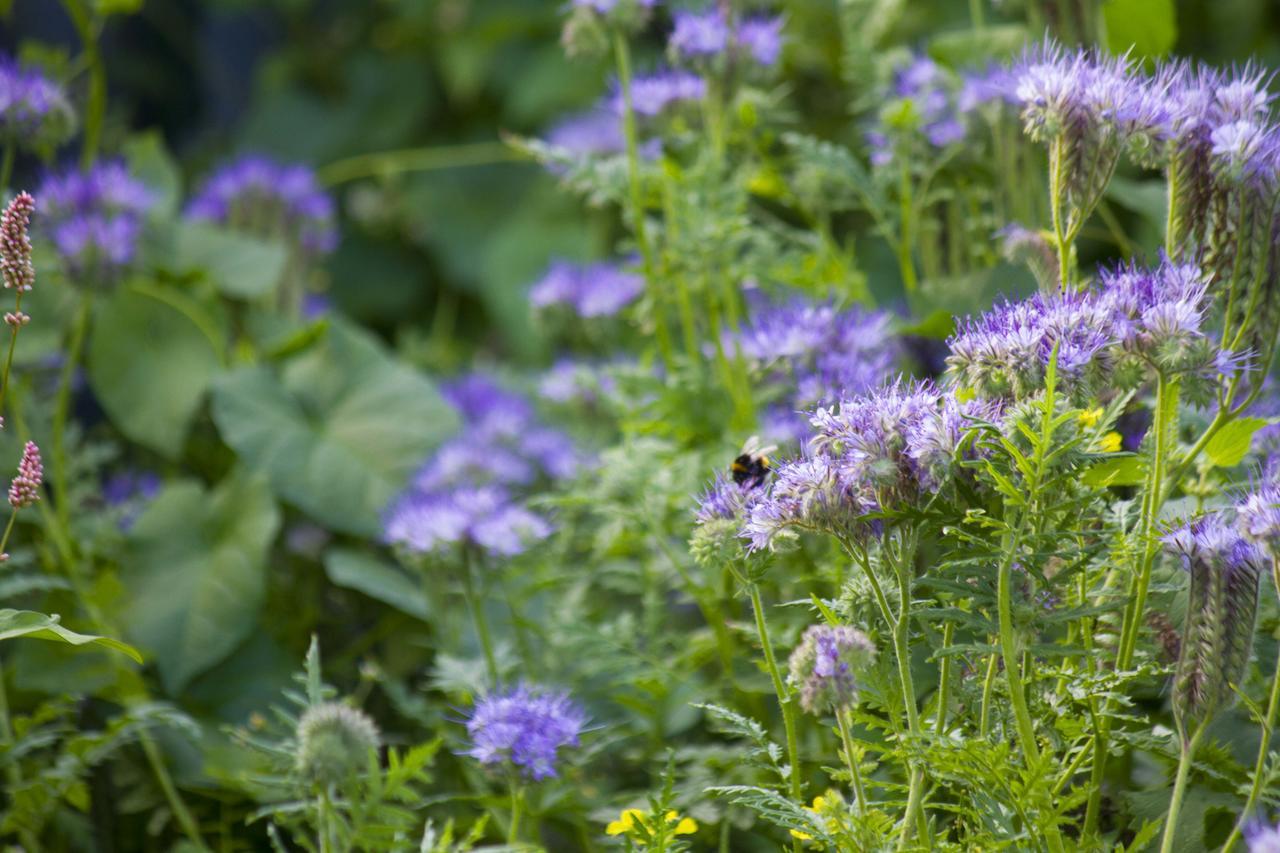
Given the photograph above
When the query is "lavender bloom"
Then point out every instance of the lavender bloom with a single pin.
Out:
(761, 38)
(604, 7)
(466, 460)
(1262, 837)
(1224, 568)
(34, 110)
(25, 488)
(593, 132)
(487, 408)
(1258, 516)
(725, 499)
(481, 517)
(825, 666)
(259, 195)
(699, 34)
(569, 381)
(94, 218)
(652, 94)
(527, 727)
(590, 290)
(15, 244)
(129, 491)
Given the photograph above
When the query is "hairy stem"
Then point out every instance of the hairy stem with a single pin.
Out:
(1180, 787)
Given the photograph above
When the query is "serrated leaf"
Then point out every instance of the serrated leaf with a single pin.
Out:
(38, 626)
(1228, 448)
(195, 573)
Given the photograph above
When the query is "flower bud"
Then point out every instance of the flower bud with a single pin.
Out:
(334, 741)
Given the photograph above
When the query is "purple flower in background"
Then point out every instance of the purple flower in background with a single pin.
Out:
(595, 131)
(725, 499)
(1262, 837)
(527, 727)
(604, 7)
(482, 517)
(590, 290)
(761, 37)
(652, 94)
(825, 666)
(1258, 515)
(34, 110)
(699, 34)
(569, 381)
(94, 218)
(129, 491)
(486, 407)
(271, 199)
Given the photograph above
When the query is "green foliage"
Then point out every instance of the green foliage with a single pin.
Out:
(38, 626)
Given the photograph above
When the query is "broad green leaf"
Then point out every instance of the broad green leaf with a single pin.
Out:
(1149, 28)
(377, 579)
(338, 433)
(241, 266)
(939, 325)
(969, 48)
(150, 162)
(28, 623)
(195, 573)
(1229, 446)
(150, 363)
(1121, 471)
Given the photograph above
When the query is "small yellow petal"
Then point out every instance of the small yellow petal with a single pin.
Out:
(686, 826)
(670, 816)
(819, 803)
(1090, 417)
(803, 836)
(625, 822)
(1110, 443)
(615, 828)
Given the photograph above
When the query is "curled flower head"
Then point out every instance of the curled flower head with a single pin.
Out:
(94, 218)
(527, 727)
(826, 665)
(334, 742)
(34, 110)
(260, 195)
(15, 244)
(589, 290)
(25, 488)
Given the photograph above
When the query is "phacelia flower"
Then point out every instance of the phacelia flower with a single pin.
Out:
(261, 196)
(486, 407)
(34, 110)
(94, 218)
(15, 244)
(1224, 569)
(334, 742)
(1262, 837)
(826, 665)
(1258, 515)
(761, 38)
(25, 488)
(482, 517)
(128, 491)
(527, 727)
(641, 826)
(652, 94)
(589, 290)
(708, 34)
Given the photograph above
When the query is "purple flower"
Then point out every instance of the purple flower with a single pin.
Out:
(596, 131)
(25, 488)
(589, 290)
(725, 499)
(487, 408)
(652, 94)
(482, 517)
(699, 34)
(34, 110)
(264, 197)
(1262, 837)
(527, 727)
(1258, 516)
(94, 218)
(604, 7)
(761, 37)
(570, 381)
(826, 664)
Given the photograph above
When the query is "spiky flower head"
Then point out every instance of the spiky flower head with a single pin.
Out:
(25, 488)
(334, 742)
(708, 34)
(655, 93)
(1258, 514)
(15, 244)
(95, 218)
(1222, 603)
(825, 667)
(525, 727)
(34, 110)
(271, 199)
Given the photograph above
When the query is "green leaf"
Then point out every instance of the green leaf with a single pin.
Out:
(195, 573)
(377, 579)
(150, 163)
(1147, 27)
(150, 364)
(241, 266)
(1120, 471)
(1228, 448)
(965, 48)
(28, 623)
(339, 433)
(117, 7)
(939, 325)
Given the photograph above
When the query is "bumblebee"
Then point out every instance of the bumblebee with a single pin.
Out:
(752, 465)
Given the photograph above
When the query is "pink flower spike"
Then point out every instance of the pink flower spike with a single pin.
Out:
(25, 488)
(15, 244)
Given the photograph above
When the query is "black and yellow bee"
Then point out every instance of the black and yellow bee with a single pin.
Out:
(752, 465)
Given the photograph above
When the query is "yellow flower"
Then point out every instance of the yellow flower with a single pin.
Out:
(1110, 443)
(632, 818)
(625, 822)
(684, 825)
(819, 803)
(1089, 417)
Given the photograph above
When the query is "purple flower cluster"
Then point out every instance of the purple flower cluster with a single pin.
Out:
(463, 494)
(813, 354)
(1138, 320)
(826, 664)
(1262, 837)
(128, 491)
(589, 290)
(709, 34)
(527, 727)
(574, 382)
(653, 94)
(270, 199)
(94, 218)
(1258, 516)
(34, 110)
(869, 457)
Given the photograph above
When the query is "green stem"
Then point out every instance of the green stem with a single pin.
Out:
(517, 809)
(784, 700)
(62, 410)
(6, 168)
(13, 345)
(96, 106)
(1055, 208)
(914, 818)
(944, 679)
(1180, 788)
(478, 618)
(851, 759)
(1011, 658)
(988, 687)
(382, 164)
(906, 229)
(1171, 220)
(622, 55)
